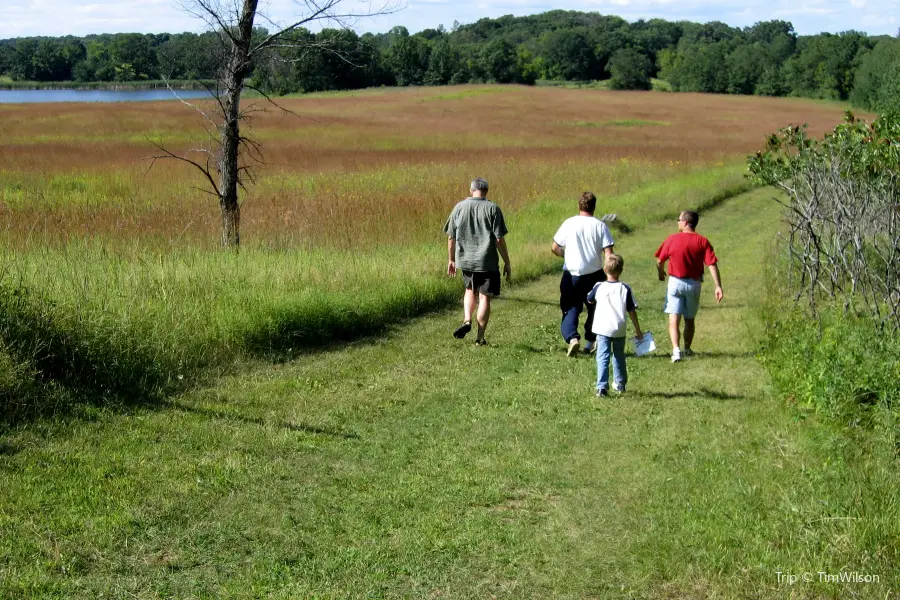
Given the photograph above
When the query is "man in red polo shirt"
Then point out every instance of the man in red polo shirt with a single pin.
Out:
(687, 252)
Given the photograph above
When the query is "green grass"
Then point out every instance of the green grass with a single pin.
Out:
(122, 321)
(574, 85)
(411, 465)
(622, 123)
(658, 85)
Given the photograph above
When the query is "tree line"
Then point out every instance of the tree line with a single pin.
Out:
(768, 58)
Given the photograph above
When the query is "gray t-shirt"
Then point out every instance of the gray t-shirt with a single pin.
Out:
(476, 224)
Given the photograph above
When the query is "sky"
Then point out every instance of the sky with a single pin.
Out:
(24, 18)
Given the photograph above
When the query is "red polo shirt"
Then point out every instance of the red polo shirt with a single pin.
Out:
(687, 254)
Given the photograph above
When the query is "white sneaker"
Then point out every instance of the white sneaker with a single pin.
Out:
(619, 389)
(574, 345)
(676, 355)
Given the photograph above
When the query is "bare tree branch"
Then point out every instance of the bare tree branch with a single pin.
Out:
(167, 154)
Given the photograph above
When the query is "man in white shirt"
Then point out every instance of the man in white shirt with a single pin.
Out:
(583, 241)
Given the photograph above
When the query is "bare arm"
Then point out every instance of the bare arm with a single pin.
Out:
(661, 269)
(451, 260)
(558, 250)
(609, 250)
(637, 326)
(501, 247)
(714, 271)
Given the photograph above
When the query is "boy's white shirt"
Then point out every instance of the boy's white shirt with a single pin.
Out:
(583, 239)
(611, 314)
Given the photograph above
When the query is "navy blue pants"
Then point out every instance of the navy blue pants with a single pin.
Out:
(573, 291)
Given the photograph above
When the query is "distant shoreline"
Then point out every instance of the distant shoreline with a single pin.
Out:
(105, 85)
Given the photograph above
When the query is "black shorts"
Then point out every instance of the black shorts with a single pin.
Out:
(483, 283)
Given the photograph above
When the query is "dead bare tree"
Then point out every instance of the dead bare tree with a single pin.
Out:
(842, 201)
(227, 162)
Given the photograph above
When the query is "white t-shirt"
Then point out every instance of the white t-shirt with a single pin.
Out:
(614, 301)
(584, 239)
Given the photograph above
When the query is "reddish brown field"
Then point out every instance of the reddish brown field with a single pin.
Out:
(388, 158)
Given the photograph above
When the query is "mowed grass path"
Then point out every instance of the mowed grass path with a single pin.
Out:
(418, 466)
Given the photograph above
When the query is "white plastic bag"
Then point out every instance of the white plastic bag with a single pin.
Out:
(643, 346)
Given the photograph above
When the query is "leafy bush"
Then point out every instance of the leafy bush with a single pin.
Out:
(834, 365)
(843, 213)
(834, 347)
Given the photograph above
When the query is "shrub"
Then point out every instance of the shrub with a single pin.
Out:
(842, 210)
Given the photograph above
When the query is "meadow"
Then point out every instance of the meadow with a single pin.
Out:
(283, 422)
(114, 259)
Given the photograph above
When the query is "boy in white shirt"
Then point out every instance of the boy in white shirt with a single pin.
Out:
(613, 300)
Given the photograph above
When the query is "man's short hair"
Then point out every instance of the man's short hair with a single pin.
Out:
(479, 184)
(614, 264)
(587, 202)
(691, 218)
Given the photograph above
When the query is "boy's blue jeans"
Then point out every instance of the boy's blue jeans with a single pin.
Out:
(616, 347)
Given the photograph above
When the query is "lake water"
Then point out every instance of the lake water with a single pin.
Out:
(29, 96)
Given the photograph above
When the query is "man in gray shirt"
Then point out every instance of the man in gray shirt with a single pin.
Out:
(475, 232)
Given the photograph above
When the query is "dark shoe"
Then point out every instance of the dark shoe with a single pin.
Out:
(602, 393)
(462, 330)
(481, 342)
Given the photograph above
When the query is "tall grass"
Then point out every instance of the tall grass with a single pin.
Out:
(837, 365)
(132, 322)
(114, 269)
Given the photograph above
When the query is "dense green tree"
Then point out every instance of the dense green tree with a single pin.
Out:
(443, 63)
(709, 33)
(22, 67)
(432, 34)
(630, 70)
(767, 58)
(569, 55)
(608, 36)
(189, 56)
(772, 83)
(499, 62)
(876, 81)
(7, 51)
(98, 66)
(779, 40)
(407, 58)
(699, 68)
(133, 57)
(48, 62)
(745, 67)
(654, 36)
(824, 65)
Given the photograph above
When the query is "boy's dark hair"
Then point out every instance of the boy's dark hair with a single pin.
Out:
(587, 202)
(691, 218)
